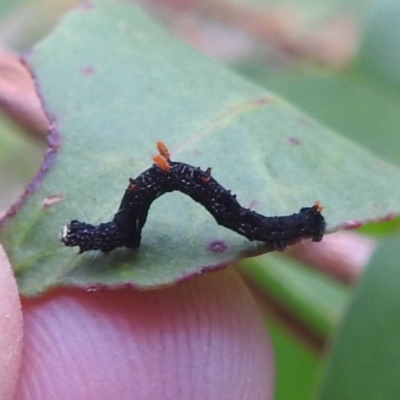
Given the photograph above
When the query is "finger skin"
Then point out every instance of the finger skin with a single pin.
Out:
(10, 330)
(342, 255)
(202, 339)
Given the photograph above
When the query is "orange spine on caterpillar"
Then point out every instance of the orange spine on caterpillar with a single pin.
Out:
(318, 207)
(163, 150)
(162, 163)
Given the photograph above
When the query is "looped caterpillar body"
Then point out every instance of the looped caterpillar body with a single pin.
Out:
(166, 176)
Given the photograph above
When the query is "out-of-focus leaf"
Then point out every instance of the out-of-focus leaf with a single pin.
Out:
(365, 359)
(19, 158)
(25, 22)
(295, 366)
(379, 54)
(111, 99)
(348, 103)
(383, 228)
(7, 5)
(313, 297)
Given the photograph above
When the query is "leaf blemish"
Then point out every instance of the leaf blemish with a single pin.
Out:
(217, 246)
(293, 140)
(86, 5)
(253, 204)
(50, 200)
(261, 101)
(87, 70)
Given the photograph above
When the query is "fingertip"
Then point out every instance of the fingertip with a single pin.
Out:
(11, 330)
(200, 339)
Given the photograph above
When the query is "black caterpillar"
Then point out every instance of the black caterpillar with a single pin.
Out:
(167, 176)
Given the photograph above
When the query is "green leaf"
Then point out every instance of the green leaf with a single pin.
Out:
(6, 6)
(19, 155)
(350, 103)
(311, 296)
(379, 54)
(113, 83)
(365, 358)
(295, 366)
(384, 228)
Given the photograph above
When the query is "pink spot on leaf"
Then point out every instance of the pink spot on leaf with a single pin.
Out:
(87, 70)
(261, 101)
(293, 140)
(217, 246)
(253, 204)
(86, 5)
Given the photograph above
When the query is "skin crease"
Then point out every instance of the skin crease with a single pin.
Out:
(202, 339)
